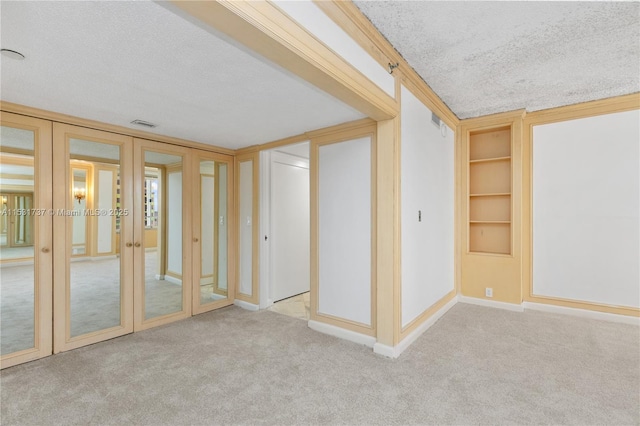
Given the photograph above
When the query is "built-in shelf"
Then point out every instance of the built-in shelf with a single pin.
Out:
(490, 191)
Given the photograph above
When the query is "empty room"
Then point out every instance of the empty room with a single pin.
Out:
(319, 212)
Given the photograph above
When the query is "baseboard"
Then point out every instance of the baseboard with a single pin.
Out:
(396, 351)
(385, 350)
(341, 333)
(490, 303)
(172, 280)
(246, 305)
(413, 336)
(584, 313)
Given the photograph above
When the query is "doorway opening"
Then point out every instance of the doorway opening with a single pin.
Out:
(285, 212)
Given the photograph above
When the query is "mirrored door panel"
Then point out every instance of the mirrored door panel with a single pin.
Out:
(93, 286)
(164, 283)
(25, 239)
(212, 202)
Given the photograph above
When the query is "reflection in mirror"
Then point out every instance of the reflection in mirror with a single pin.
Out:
(17, 238)
(94, 277)
(79, 186)
(162, 234)
(213, 225)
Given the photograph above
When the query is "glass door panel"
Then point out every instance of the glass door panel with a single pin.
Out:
(94, 293)
(25, 223)
(164, 284)
(212, 202)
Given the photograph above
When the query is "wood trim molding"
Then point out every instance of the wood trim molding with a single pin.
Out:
(307, 136)
(43, 262)
(362, 126)
(555, 115)
(141, 146)
(97, 125)
(254, 297)
(585, 109)
(347, 15)
(273, 144)
(493, 120)
(344, 323)
(265, 29)
(590, 306)
(388, 232)
(332, 135)
(196, 196)
(413, 325)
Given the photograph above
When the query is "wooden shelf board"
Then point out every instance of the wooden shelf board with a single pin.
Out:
(491, 221)
(486, 253)
(495, 194)
(487, 160)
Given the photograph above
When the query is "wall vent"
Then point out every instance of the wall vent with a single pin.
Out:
(435, 120)
(144, 124)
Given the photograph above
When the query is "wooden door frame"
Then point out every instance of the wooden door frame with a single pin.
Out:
(195, 237)
(43, 261)
(140, 146)
(62, 197)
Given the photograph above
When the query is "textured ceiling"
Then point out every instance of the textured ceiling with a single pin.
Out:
(488, 57)
(119, 61)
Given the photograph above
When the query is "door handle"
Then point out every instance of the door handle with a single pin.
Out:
(45, 250)
(137, 244)
(129, 244)
(195, 240)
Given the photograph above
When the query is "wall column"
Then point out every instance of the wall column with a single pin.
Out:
(388, 234)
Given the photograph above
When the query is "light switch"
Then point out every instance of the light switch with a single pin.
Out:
(248, 220)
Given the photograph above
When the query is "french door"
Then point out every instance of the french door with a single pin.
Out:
(162, 233)
(93, 222)
(212, 224)
(106, 235)
(25, 267)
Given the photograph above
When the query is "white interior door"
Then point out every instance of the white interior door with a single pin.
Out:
(289, 226)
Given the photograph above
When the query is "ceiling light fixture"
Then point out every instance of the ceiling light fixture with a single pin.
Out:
(144, 123)
(13, 54)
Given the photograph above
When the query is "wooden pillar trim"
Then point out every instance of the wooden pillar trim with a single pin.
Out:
(266, 30)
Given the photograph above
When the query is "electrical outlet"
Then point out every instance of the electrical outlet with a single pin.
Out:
(488, 292)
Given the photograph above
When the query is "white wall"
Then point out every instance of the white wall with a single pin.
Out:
(105, 201)
(427, 176)
(344, 220)
(174, 222)
(586, 209)
(246, 226)
(314, 20)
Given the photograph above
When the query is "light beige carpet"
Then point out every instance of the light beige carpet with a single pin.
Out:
(95, 299)
(474, 366)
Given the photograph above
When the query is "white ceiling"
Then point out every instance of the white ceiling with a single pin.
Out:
(119, 61)
(301, 150)
(488, 57)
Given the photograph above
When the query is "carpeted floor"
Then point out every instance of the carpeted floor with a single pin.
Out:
(475, 366)
(95, 298)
